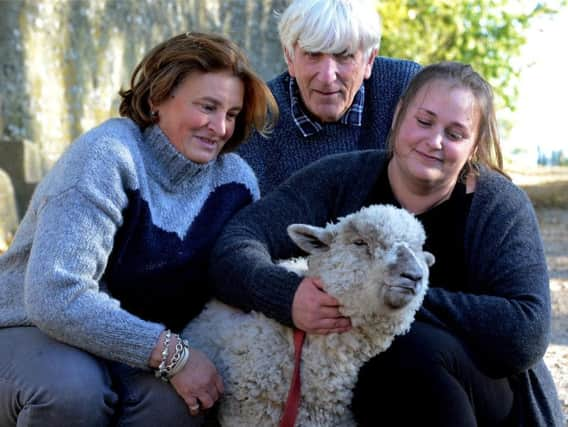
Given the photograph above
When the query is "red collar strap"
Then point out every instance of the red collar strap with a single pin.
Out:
(293, 402)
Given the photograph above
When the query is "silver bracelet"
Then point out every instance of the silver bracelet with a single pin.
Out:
(182, 361)
(179, 359)
(177, 354)
(161, 372)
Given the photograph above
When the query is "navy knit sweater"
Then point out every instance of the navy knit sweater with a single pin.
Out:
(502, 311)
(116, 241)
(286, 150)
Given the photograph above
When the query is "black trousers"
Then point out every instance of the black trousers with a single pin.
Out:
(428, 378)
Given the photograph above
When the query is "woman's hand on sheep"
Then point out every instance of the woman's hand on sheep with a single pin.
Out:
(198, 383)
(314, 311)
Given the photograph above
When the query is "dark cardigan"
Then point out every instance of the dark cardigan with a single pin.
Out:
(502, 311)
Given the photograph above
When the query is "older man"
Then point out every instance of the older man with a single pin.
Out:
(336, 96)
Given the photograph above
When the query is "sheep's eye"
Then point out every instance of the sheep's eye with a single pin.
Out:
(359, 242)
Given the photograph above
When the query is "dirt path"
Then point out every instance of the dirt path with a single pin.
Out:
(554, 228)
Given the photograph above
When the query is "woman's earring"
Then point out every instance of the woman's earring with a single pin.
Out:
(154, 115)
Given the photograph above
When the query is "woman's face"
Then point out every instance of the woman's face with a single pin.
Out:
(437, 135)
(200, 115)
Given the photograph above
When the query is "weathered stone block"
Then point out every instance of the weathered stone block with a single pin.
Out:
(22, 161)
(63, 62)
(8, 211)
(1, 117)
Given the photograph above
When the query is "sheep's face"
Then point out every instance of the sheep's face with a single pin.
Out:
(372, 261)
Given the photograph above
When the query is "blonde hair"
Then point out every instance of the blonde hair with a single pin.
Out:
(487, 146)
(167, 65)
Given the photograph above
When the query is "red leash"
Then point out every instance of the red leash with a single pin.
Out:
(293, 401)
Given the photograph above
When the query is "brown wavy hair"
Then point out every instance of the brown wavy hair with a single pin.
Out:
(168, 64)
(487, 147)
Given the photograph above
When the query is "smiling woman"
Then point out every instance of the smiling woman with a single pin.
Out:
(200, 116)
(435, 140)
(109, 263)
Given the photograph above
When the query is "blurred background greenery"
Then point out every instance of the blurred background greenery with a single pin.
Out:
(498, 38)
(488, 34)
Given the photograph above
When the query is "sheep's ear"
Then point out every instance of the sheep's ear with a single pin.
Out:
(309, 238)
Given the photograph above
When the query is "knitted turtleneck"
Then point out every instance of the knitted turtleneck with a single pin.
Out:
(115, 242)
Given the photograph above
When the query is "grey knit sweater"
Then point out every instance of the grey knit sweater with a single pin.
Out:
(502, 312)
(115, 242)
(286, 150)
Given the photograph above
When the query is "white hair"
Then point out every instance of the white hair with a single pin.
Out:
(330, 26)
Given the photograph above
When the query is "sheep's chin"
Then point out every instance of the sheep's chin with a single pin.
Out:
(398, 297)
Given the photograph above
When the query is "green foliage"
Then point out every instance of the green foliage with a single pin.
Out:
(488, 34)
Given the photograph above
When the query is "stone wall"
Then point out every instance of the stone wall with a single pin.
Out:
(8, 213)
(62, 63)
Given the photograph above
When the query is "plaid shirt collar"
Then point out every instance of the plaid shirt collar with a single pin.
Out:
(353, 116)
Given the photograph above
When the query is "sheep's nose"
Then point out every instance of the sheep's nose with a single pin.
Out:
(411, 267)
(414, 275)
(405, 276)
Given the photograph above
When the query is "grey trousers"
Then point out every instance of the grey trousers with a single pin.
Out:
(46, 383)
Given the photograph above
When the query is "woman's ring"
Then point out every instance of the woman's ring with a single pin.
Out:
(194, 408)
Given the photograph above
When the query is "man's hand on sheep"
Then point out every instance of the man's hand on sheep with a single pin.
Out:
(316, 312)
(198, 383)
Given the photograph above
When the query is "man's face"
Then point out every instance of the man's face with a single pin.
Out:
(328, 82)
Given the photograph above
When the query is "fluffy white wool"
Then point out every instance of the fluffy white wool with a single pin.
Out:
(372, 261)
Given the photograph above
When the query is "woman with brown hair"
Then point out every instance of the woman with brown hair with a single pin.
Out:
(109, 263)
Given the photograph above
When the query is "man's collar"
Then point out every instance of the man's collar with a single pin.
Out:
(308, 126)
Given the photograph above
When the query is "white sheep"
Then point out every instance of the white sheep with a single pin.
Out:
(372, 261)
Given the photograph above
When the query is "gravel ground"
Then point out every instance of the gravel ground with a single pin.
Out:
(554, 229)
